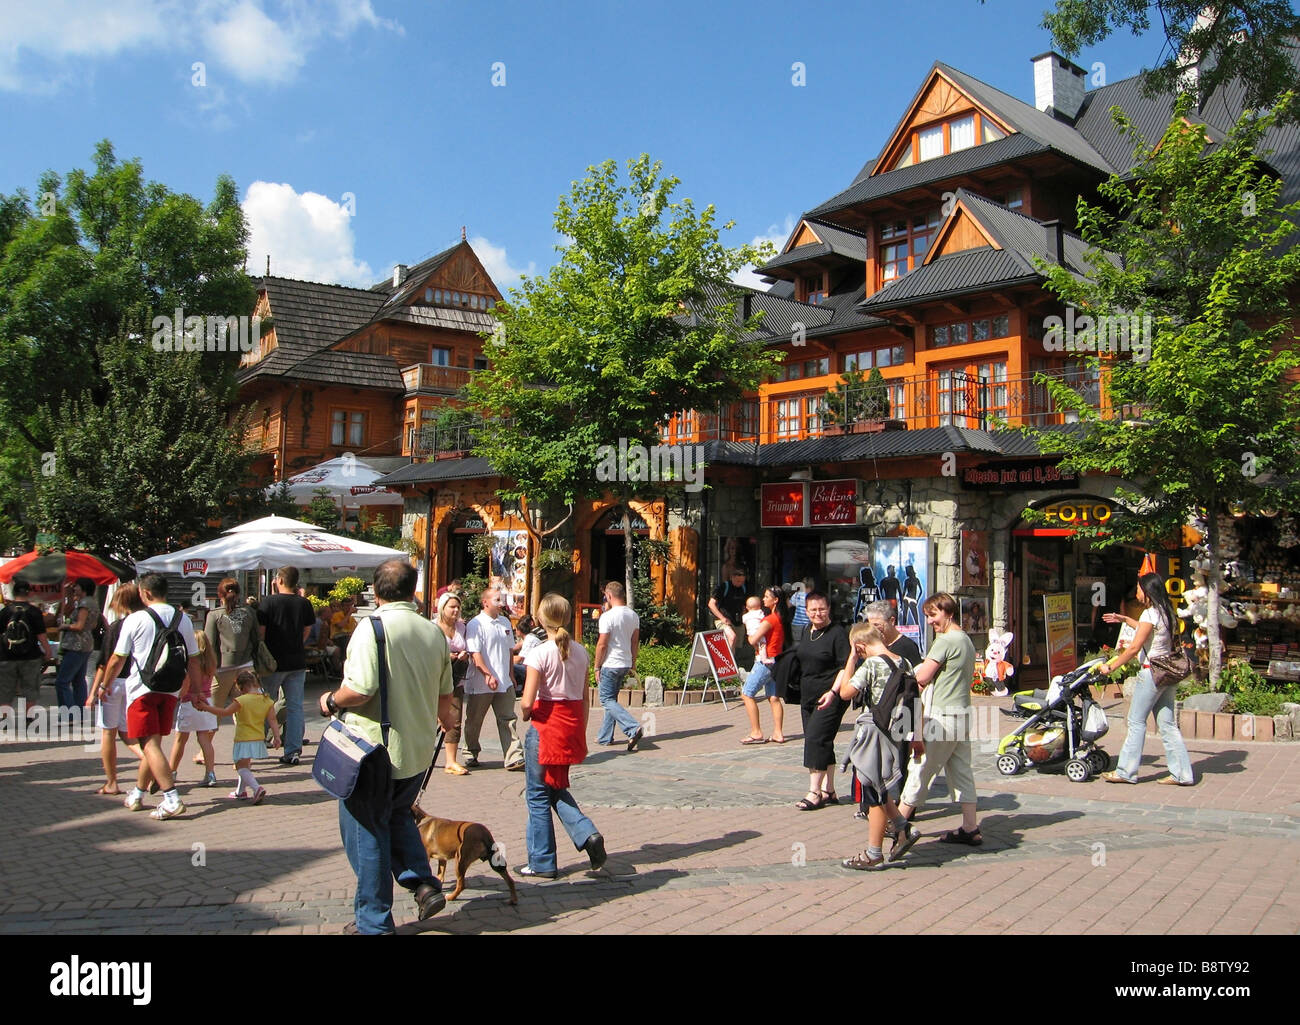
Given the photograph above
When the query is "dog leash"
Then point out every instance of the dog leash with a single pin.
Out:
(428, 773)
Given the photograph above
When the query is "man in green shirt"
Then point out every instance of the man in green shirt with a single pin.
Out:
(945, 677)
(379, 834)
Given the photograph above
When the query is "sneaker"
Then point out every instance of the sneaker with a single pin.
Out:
(134, 801)
(903, 843)
(210, 780)
(470, 761)
(516, 767)
(861, 863)
(237, 795)
(164, 811)
(595, 848)
(258, 794)
(527, 870)
(289, 759)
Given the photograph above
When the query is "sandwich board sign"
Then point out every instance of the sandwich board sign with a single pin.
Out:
(711, 656)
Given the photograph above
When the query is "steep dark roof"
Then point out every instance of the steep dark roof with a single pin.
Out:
(927, 441)
(414, 277)
(835, 241)
(1030, 120)
(951, 165)
(310, 316)
(974, 270)
(438, 470)
(360, 369)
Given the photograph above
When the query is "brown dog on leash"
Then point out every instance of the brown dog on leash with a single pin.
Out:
(465, 842)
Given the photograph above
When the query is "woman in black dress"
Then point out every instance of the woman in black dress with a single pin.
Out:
(821, 654)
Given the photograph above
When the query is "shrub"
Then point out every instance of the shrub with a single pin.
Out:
(1239, 675)
(1257, 701)
(668, 662)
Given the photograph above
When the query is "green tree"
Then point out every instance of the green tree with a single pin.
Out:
(636, 321)
(1250, 41)
(1205, 413)
(149, 466)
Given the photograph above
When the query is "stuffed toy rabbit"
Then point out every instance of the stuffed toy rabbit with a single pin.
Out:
(996, 667)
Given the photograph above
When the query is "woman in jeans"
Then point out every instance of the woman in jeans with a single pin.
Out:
(1154, 636)
(453, 628)
(557, 701)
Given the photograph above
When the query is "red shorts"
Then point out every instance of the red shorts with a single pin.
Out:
(151, 714)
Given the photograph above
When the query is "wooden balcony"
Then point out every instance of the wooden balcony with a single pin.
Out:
(955, 399)
(430, 378)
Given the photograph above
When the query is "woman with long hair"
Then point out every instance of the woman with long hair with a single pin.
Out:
(1155, 635)
(557, 701)
(453, 628)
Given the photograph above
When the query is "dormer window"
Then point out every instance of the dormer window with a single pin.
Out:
(951, 136)
(811, 290)
(903, 243)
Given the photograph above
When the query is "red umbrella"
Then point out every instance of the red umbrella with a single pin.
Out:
(57, 568)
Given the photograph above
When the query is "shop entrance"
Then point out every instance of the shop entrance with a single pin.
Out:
(608, 559)
(1099, 579)
(464, 527)
(798, 555)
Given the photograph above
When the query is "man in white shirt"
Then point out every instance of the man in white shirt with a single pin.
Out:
(616, 651)
(490, 639)
(150, 714)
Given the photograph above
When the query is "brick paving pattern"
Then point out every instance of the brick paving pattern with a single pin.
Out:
(702, 838)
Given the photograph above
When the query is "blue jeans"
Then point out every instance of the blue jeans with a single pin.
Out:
(760, 678)
(610, 682)
(70, 681)
(294, 682)
(1148, 698)
(388, 848)
(540, 835)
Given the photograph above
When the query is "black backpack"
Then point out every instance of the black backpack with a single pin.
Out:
(18, 632)
(901, 679)
(167, 663)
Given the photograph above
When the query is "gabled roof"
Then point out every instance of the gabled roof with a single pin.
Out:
(1020, 239)
(1029, 120)
(415, 276)
(927, 172)
(835, 241)
(310, 316)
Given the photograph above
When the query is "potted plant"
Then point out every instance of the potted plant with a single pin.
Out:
(858, 403)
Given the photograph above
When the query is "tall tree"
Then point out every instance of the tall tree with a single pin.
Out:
(1206, 413)
(635, 322)
(1251, 41)
(149, 466)
(85, 265)
(80, 260)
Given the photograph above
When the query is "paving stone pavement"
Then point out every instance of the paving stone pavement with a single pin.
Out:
(703, 837)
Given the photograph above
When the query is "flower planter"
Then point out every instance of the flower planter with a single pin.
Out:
(832, 430)
(868, 427)
(632, 698)
(1225, 726)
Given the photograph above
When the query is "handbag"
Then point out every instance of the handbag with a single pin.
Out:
(1166, 670)
(263, 661)
(344, 751)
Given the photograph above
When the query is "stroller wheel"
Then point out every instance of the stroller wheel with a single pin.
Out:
(1099, 759)
(1077, 770)
(1010, 764)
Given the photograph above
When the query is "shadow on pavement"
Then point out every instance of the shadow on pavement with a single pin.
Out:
(1220, 763)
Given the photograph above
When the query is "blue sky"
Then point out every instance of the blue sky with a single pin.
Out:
(393, 101)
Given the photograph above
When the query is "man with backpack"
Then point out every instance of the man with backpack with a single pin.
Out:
(23, 645)
(158, 648)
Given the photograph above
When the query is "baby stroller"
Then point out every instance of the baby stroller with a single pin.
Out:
(1061, 729)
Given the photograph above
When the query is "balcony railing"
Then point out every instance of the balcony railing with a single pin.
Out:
(953, 398)
(431, 440)
(431, 377)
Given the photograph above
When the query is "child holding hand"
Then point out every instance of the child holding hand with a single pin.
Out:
(196, 715)
(254, 713)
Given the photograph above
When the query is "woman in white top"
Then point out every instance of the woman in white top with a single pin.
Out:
(557, 700)
(1153, 636)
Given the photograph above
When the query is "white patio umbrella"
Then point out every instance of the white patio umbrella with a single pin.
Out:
(245, 549)
(273, 523)
(349, 481)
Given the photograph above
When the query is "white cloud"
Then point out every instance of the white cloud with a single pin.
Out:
(307, 235)
(777, 235)
(498, 266)
(255, 41)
